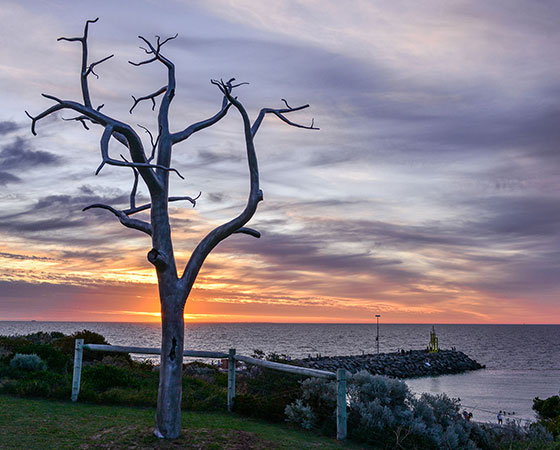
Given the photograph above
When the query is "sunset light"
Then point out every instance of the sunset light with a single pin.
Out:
(429, 194)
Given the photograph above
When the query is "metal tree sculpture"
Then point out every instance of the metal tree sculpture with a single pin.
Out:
(173, 289)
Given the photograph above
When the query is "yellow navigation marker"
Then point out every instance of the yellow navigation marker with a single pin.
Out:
(433, 346)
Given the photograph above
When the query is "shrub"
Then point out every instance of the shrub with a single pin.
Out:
(548, 411)
(384, 413)
(199, 395)
(42, 337)
(301, 414)
(264, 393)
(43, 384)
(67, 345)
(205, 372)
(30, 362)
(101, 377)
(54, 358)
(129, 397)
(548, 408)
(514, 435)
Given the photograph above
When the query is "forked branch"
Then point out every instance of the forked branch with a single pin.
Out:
(191, 129)
(151, 97)
(237, 224)
(155, 51)
(119, 130)
(280, 113)
(106, 159)
(135, 224)
(164, 156)
(86, 70)
(134, 210)
(152, 141)
(123, 215)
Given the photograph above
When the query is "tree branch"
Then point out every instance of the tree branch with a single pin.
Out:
(154, 143)
(115, 162)
(236, 225)
(82, 119)
(134, 210)
(134, 185)
(164, 153)
(135, 224)
(42, 115)
(255, 196)
(92, 65)
(249, 231)
(85, 71)
(191, 129)
(280, 114)
(121, 131)
(155, 51)
(148, 97)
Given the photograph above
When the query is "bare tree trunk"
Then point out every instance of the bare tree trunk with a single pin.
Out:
(168, 415)
(173, 291)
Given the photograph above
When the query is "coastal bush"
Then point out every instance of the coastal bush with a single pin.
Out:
(272, 356)
(45, 384)
(55, 359)
(101, 377)
(206, 372)
(516, 435)
(199, 395)
(30, 362)
(384, 413)
(302, 414)
(548, 408)
(265, 393)
(67, 345)
(113, 380)
(548, 411)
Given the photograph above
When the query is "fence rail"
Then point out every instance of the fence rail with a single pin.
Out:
(286, 367)
(151, 351)
(232, 357)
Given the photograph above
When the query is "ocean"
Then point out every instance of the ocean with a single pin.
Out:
(522, 361)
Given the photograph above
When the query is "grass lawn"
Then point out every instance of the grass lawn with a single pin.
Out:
(43, 424)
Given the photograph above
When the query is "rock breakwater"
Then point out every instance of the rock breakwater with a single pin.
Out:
(408, 364)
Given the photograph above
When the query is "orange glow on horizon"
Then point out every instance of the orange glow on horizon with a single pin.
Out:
(126, 291)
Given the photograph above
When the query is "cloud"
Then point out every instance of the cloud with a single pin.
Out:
(6, 178)
(7, 127)
(23, 257)
(433, 178)
(17, 156)
(63, 212)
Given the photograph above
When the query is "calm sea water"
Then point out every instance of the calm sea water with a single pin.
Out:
(522, 361)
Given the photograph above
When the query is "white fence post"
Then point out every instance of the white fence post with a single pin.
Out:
(341, 404)
(78, 352)
(231, 379)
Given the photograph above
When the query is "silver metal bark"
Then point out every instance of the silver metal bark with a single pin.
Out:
(152, 166)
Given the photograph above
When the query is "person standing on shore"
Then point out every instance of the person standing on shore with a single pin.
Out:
(500, 420)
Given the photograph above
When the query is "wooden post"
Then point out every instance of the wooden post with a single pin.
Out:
(78, 352)
(341, 404)
(231, 379)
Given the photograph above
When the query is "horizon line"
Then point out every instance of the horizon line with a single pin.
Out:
(271, 322)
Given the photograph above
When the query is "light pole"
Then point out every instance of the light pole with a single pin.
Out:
(377, 337)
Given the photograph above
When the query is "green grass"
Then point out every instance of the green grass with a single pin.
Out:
(46, 424)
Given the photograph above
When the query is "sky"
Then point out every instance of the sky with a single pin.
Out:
(430, 194)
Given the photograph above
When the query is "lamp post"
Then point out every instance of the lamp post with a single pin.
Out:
(377, 316)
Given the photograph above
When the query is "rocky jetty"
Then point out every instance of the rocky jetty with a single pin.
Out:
(406, 364)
